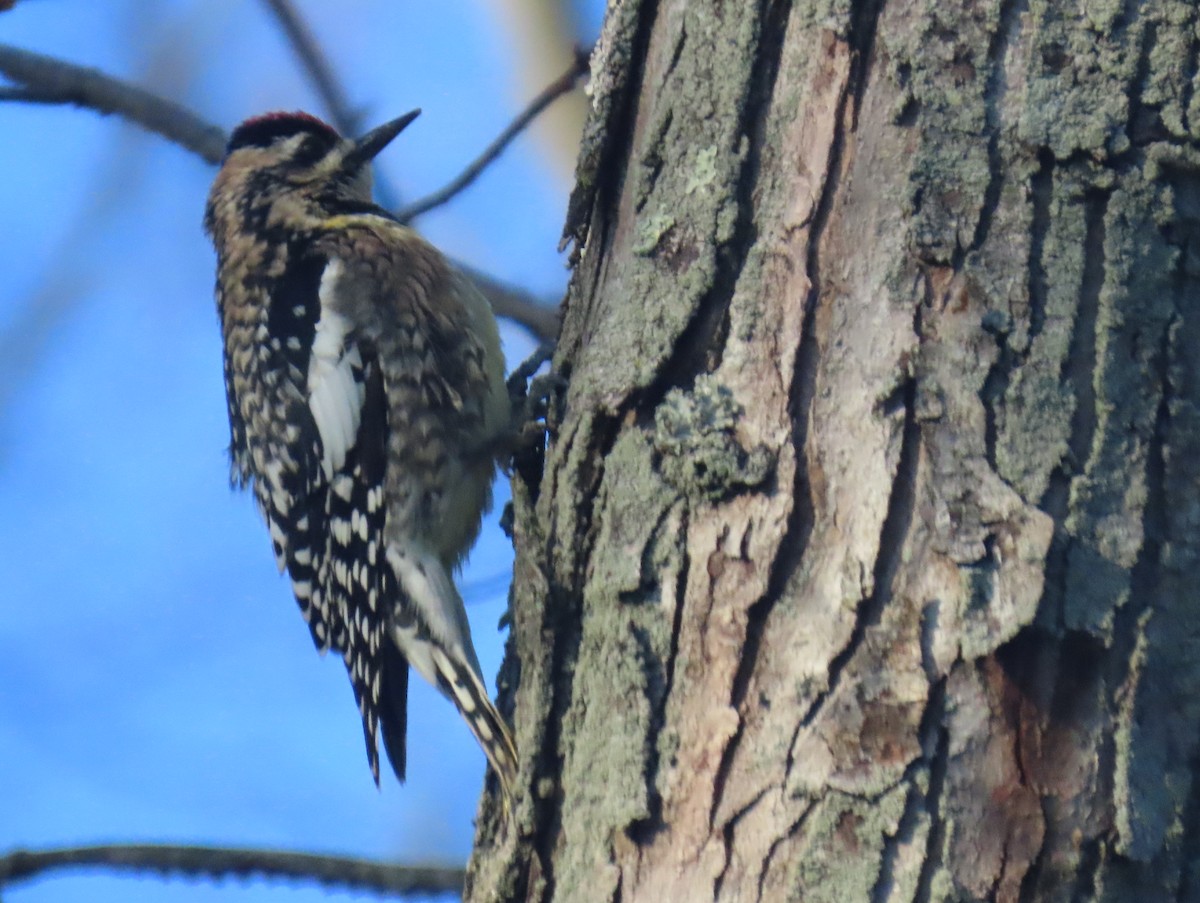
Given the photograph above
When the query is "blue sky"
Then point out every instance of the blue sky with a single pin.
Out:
(156, 680)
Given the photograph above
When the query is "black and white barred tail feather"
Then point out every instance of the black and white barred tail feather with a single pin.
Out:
(466, 690)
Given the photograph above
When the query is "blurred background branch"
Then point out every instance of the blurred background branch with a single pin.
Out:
(226, 862)
(43, 79)
(25, 338)
(516, 304)
(316, 64)
(40, 77)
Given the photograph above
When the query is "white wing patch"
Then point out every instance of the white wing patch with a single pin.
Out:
(335, 396)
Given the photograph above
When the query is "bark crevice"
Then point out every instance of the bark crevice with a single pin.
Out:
(892, 540)
(1041, 190)
(932, 861)
(995, 92)
(1078, 372)
(919, 775)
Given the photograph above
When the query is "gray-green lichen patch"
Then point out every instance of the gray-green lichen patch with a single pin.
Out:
(1163, 157)
(911, 849)
(610, 764)
(696, 438)
(650, 231)
(1035, 426)
(1080, 73)
(704, 170)
(828, 15)
(604, 783)
(1168, 88)
(1142, 801)
(842, 835)
(1108, 499)
(1034, 423)
(940, 58)
(630, 550)
(568, 497)
(677, 206)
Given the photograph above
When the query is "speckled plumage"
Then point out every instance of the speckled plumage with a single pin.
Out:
(366, 396)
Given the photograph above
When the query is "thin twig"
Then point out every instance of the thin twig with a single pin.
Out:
(225, 862)
(555, 90)
(316, 64)
(43, 79)
(48, 80)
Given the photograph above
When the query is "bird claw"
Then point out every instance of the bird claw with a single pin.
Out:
(518, 379)
(531, 396)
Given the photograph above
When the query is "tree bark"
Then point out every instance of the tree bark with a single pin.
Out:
(862, 562)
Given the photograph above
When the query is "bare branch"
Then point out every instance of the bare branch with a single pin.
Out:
(559, 87)
(316, 64)
(44, 79)
(224, 862)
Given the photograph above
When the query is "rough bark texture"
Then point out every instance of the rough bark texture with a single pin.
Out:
(863, 564)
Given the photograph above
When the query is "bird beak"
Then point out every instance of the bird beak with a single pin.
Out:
(370, 144)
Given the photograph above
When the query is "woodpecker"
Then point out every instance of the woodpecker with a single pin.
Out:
(366, 394)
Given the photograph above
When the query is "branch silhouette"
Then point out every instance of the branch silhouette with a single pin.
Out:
(44, 79)
(48, 80)
(316, 64)
(223, 862)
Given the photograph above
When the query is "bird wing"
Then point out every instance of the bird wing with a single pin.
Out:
(326, 512)
(438, 378)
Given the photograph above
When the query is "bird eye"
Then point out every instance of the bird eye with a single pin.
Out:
(310, 150)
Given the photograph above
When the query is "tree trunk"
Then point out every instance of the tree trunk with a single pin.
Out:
(862, 564)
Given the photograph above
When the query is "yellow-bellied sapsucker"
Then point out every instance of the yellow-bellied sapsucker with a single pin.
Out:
(366, 395)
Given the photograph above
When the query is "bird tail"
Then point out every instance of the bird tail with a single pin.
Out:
(466, 690)
(430, 628)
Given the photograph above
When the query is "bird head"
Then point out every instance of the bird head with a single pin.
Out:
(299, 150)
